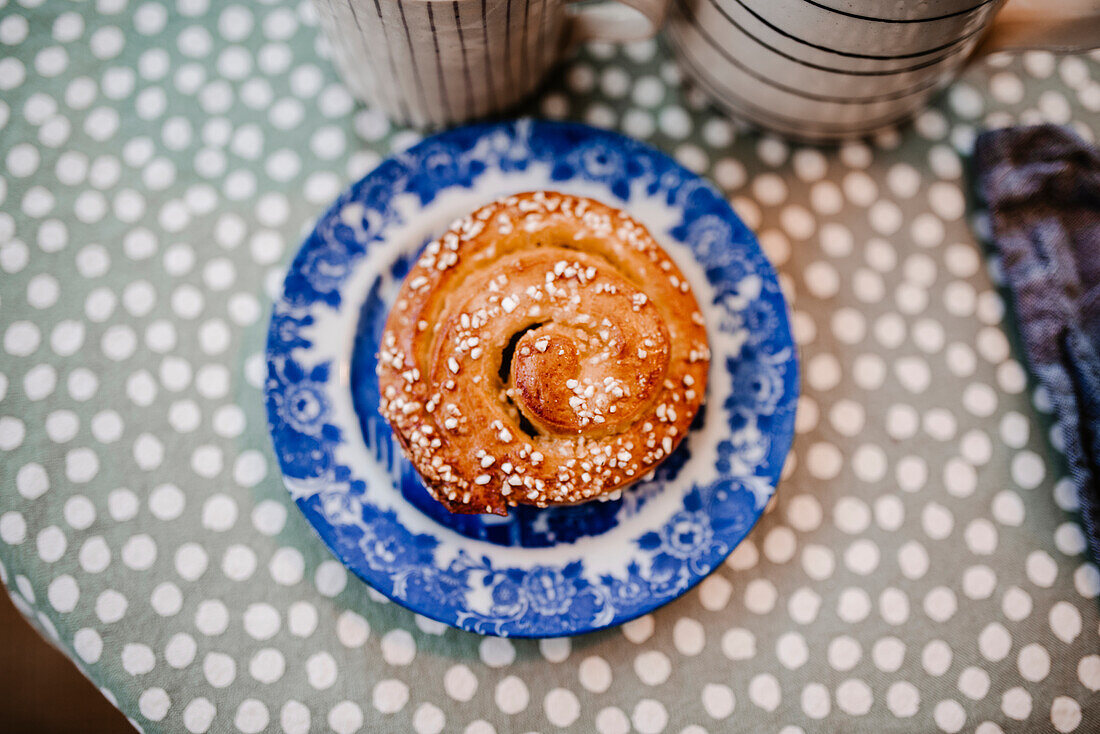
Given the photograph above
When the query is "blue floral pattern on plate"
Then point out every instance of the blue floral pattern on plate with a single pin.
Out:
(537, 573)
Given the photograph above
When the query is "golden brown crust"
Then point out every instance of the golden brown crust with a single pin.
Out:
(608, 366)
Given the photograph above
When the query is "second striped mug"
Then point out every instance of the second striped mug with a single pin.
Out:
(828, 69)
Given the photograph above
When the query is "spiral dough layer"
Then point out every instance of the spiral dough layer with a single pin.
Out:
(545, 350)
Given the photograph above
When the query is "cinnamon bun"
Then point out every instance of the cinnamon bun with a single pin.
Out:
(544, 350)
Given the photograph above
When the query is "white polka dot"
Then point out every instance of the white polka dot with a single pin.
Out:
(1041, 568)
(330, 578)
(139, 552)
(61, 427)
(214, 337)
(398, 647)
(1016, 603)
(321, 670)
(854, 697)
(689, 636)
(803, 606)
(636, 630)
(107, 426)
(63, 593)
(219, 513)
(913, 560)
(1014, 429)
(166, 502)
(816, 701)
(187, 302)
(818, 563)
(212, 617)
(39, 382)
(252, 716)
(137, 659)
(903, 699)
(219, 669)
(760, 595)
(714, 592)
(791, 650)
(885, 216)
(981, 537)
(175, 373)
(229, 421)
(809, 164)
(949, 716)
(261, 621)
(824, 460)
(148, 452)
(994, 642)
(460, 683)
(119, 343)
(190, 561)
(88, 645)
(894, 606)
(652, 667)
(154, 704)
(1086, 579)
(110, 606)
(1088, 672)
(936, 657)
(267, 665)
(1028, 469)
(823, 281)
(862, 556)
(826, 198)
(1065, 621)
(804, 512)
(764, 692)
(937, 521)
(779, 545)
(737, 644)
(1033, 662)
(13, 528)
(1016, 703)
(979, 582)
(180, 650)
(21, 338)
(771, 150)
(1065, 714)
(718, 700)
(562, 707)
(32, 481)
(268, 517)
(199, 714)
(482, 726)
(511, 695)
(166, 599)
(851, 515)
(249, 469)
(974, 683)
(95, 555)
(849, 326)
(844, 653)
(888, 654)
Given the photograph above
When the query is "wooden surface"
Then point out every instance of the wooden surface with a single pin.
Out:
(41, 691)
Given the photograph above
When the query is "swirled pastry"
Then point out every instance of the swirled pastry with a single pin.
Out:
(545, 350)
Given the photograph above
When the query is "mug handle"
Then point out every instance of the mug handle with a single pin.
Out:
(611, 21)
(1062, 26)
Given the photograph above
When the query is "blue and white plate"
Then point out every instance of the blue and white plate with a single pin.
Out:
(537, 573)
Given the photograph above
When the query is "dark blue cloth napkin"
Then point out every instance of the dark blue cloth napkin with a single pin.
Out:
(1042, 187)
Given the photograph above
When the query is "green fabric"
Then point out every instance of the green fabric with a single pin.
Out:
(920, 569)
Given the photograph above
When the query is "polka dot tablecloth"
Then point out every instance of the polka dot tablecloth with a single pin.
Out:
(920, 569)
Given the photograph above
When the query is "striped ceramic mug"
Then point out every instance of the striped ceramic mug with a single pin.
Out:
(437, 62)
(827, 69)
